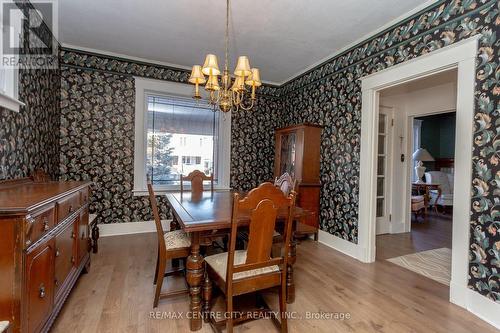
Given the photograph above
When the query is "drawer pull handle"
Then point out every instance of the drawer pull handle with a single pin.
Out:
(58, 253)
(45, 225)
(56, 282)
(72, 259)
(70, 209)
(28, 242)
(73, 235)
(42, 291)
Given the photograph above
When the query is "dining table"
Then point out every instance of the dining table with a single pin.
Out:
(207, 215)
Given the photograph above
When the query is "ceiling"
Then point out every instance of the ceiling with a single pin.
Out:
(282, 37)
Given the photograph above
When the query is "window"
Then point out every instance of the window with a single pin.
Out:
(9, 74)
(177, 135)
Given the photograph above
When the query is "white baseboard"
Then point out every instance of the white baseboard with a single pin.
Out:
(129, 228)
(339, 244)
(484, 308)
(477, 304)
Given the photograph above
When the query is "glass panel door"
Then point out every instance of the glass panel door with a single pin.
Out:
(384, 169)
(287, 154)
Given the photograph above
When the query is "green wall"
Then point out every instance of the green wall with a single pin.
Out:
(438, 135)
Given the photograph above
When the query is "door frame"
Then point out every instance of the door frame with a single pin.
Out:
(461, 55)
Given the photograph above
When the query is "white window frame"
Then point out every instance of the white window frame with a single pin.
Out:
(9, 82)
(142, 88)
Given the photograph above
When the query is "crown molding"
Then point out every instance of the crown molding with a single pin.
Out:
(139, 59)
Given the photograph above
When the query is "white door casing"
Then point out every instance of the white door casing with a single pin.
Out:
(460, 55)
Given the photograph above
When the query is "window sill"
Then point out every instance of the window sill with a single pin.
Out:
(142, 193)
(10, 103)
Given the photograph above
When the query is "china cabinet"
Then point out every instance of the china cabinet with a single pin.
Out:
(297, 151)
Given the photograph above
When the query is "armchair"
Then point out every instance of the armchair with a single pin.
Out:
(445, 181)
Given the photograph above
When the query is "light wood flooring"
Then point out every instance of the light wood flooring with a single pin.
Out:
(433, 232)
(117, 295)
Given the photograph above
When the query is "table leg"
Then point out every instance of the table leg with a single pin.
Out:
(207, 297)
(290, 285)
(194, 278)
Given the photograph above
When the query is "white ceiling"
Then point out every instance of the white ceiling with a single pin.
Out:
(282, 37)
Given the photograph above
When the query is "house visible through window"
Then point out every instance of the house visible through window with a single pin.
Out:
(179, 130)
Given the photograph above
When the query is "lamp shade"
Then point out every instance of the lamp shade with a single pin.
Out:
(238, 84)
(254, 78)
(211, 67)
(212, 83)
(421, 154)
(197, 75)
(242, 67)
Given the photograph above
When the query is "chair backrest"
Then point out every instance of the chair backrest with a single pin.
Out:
(156, 214)
(197, 178)
(285, 182)
(261, 206)
(441, 178)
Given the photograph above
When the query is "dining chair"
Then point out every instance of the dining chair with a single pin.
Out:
(197, 178)
(285, 183)
(171, 245)
(239, 272)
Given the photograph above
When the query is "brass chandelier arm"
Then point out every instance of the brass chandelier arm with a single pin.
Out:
(242, 106)
(230, 95)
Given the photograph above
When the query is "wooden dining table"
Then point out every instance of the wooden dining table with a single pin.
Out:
(206, 215)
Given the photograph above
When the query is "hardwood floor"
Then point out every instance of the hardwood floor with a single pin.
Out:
(117, 295)
(432, 233)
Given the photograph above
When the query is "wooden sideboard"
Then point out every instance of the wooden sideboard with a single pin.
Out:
(45, 245)
(297, 151)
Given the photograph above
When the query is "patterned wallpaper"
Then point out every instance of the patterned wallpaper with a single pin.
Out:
(97, 102)
(29, 139)
(331, 95)
(97, 132)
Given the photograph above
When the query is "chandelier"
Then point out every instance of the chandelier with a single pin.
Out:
(231, 93)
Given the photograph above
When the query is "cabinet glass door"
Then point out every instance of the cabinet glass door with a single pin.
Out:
(287, 155)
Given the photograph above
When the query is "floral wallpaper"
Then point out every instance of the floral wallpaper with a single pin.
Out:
(97, 132)
(330, 95)
(29, 139)
(97, 142)
(96, 125)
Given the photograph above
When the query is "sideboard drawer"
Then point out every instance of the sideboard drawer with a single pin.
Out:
(67, 205)
(65, 254)
(38, 224)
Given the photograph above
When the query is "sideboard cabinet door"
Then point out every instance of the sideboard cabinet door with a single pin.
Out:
(39, 285)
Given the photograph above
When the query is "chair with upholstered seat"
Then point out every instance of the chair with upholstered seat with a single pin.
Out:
(196, 179)
(445, 181)
(171, 245)
(239, 272)
(285, 183)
